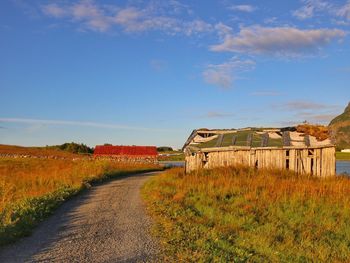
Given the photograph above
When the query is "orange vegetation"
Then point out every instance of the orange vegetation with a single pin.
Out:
(23, 178)
(319, 131)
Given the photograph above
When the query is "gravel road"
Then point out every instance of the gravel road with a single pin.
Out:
(108, 223)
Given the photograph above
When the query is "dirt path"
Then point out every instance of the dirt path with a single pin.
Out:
(105, 224)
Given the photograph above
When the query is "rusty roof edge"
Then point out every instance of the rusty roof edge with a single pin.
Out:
(190, 138)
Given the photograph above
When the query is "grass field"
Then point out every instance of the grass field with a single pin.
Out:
(30, 189)
(171, 156)
(246, 215)
(342, 156)
(36, 151)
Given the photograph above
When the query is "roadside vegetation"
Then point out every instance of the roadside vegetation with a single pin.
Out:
(248, 215)
(31, 189)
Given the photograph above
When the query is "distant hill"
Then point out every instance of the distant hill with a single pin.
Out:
(340, 128)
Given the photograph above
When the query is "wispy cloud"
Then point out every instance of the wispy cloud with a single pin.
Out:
(310, 7)
(310, 111)
(278, 41)
(243, 8)
(79, 123)
(216, 114)
(223, 75)
(54, 10)
(304, 105)
(88, 14)
(315, 117)
(344, 69)
(158, 64)
(265, 93)
(344, 11)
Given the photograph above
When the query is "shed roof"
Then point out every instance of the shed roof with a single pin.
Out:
(254, 138)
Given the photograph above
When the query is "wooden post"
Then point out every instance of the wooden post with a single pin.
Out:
(249, 139)
(286, 138)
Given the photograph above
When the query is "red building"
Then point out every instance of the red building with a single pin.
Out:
(137, 152)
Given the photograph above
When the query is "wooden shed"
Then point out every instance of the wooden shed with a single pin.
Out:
(280, 148)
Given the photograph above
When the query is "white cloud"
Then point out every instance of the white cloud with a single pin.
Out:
(102, 18)
(85, 10)
(128, 15)
(279, 41)
(78, 123)
(243, 8)
(197, 26)
(223, 75)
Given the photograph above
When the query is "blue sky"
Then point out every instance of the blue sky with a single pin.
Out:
(148, 72)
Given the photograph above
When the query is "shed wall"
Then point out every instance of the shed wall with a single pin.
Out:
(316, 161)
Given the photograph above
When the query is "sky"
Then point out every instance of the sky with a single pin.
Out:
(149, 72)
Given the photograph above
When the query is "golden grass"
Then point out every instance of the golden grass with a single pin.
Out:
(22, 178)
(30, 189)
(241, 214)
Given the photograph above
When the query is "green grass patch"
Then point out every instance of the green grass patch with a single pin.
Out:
(19, 219)
(245, 215)
(342, 156)
(172, 157)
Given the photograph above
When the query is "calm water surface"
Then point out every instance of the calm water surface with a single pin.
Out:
(170, 164)
(343, 167)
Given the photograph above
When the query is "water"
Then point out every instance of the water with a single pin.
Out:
(170, 164)
(343, 167)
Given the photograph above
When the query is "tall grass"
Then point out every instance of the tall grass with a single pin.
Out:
(30, 189)
(242, 214)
